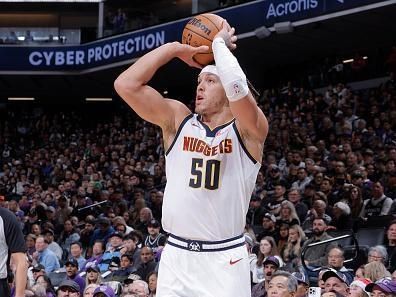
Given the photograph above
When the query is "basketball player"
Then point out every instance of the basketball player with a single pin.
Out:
(212, 160)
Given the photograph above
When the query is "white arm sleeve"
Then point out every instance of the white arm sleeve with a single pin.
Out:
(231, 75)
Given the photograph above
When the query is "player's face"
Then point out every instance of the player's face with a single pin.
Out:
(210, 95)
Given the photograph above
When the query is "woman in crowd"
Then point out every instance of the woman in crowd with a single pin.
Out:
(358, 286)
(355, 201)
(152, 283)
(68, 236)
(30, 240)
(287, 214)
(44, 281)
(89, 290)
(283, 236)
(267, 248)
(292, 251)
(375, 270)
(93, 276)
(342, 219)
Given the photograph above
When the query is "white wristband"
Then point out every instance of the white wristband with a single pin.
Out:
(231, 75)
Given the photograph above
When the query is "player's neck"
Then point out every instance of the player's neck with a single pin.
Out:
(214, 120)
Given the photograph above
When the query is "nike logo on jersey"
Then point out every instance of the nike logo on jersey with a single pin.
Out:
(234, 262)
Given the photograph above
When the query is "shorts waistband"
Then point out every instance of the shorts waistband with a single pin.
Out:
(206, 246)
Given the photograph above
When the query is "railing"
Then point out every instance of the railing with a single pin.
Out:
(311, 245)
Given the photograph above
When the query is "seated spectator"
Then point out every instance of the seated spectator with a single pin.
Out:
(53, 245)
(378, 205)
(147, 264)
(152, 283)
(303, 284)
(391, 246)
(67, 287)
(375, 270)
(287, 214)
(267, 248)
(294, 197)
(358, 288)
(76, 253)
(378, 253)
(103, 231)
(255, 212)
(270, 266)
(112, 253)
(317, 256)
(283, 236)
(72, 274)
(125, 269)
(104, 291)
(44, 256)
(154, 239)
(44, 281)
(318, 211)
(67, 237)
(282, 284)
(342, 219)
(302, 179)
(336, 281)
(269, 229)
(291, 253)
(274, 205)
(335, 260)
(97, 253)
(383, 287)
(93, 275)
(89, 290)
(140, 288)
(130, 246)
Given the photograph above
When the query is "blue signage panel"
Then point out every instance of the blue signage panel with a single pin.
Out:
(125, 47)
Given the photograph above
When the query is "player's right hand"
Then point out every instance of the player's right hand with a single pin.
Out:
(186, 53)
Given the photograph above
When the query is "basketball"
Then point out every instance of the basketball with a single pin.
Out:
(201, 30)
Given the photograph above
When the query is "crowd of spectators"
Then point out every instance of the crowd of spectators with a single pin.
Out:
(88, 190)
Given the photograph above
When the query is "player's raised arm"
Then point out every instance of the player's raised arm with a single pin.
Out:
(250, 119)
(132, 84)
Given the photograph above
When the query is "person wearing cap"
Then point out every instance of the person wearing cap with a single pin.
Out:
(104, 291)
(38, 270)
(255, 212)
(68, 288)
(270, 265)
(273, 178)
(274, 205)
(98, 249)
(214, 155)
(336, 281)
(104, 230)
(384, 287)
(93, 275)
(155, 238)
(269, 229)
(113, 251)
(53, 245)
(358, 288)
(303, 284)
(72, 273)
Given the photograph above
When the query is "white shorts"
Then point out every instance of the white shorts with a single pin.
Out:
(202, 269)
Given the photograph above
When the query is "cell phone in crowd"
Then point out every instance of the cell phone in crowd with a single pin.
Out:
(314, 292)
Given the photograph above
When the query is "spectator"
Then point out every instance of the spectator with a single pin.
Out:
(130, 246)
(267, 248)
(89, 290)
(336, 281)
(44, 256)
(303, 284)
(97, 253)
(358, 288)
(154, 239)
(385, 287)
(269, 229)
(52, 245)
(67, 237)
(140, 288)
(76, 253)
(93, 276)
(283, 284)
(335, 260)
(342, 219)
(391, 247)
(103, 231)
(147, 264)
(72, 274)
(45, 281)
(378, 253)
(270, 266)
(375, 270)
(256, 212)
(294, 197)
(292, 251)
(316, 256)
(378, 205)
(112, 253)
(152, 283)
(288, 214)
(67, 287)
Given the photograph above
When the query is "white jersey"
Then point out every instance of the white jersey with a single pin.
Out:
(210, 179)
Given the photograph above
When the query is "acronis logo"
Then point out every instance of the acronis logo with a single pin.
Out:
(290, 8)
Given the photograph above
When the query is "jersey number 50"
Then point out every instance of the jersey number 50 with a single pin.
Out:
(205, 174)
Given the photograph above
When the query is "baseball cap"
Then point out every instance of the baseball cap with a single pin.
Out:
(153, 223)
(118, 234)
(386, 285)
(270, 216)
(72, 262)
(362, 283)
(48, 231)
(38, 267)
(108, 291)
(132, 277)
(69, 284)
(93, 268)
(334, 273)
(271, 260)
(301, 278)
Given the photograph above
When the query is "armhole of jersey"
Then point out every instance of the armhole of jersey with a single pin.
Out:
(178, 132)
(242, 144)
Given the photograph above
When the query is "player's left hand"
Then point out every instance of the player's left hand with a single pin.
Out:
(227, 33)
